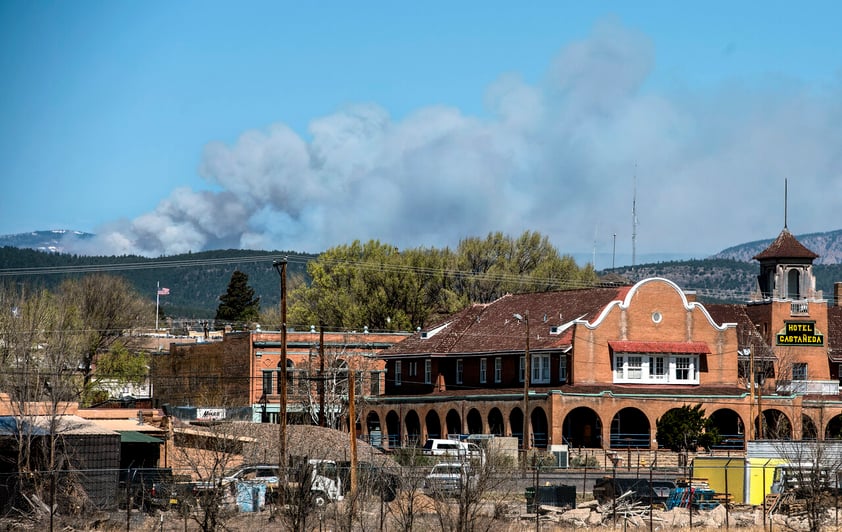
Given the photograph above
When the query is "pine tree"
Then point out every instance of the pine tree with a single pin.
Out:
(238, 303)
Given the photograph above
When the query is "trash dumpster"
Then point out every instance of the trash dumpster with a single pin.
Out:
(558, 495)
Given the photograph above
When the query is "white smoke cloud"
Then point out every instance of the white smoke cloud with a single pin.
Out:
(558, 157)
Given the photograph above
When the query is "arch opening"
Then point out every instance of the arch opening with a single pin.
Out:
(630, 429)
(582, 428)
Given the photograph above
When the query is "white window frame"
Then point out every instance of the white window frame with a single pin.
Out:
(540, 369)
(640, 368)
(460, 370)
(680, 368)
(413, 369)
(428, 371)
(483, 369)
(799, 371)
(658, 368)
(498, 369)
(398, 369)
(522, 369)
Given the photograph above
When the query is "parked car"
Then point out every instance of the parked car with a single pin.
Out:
(448, 479)
(321, 478)
(453, 449)
(151, 488)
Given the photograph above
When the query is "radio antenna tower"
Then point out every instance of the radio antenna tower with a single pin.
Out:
(634, 219)
(785, 202)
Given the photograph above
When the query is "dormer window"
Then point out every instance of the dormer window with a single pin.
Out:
(635, 368)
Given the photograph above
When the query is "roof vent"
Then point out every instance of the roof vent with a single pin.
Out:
(556, 329)
(428, 334)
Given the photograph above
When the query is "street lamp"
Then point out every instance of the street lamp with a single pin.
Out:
(525, 318)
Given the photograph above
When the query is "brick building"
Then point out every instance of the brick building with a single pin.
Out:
(242, 370)
(606, 363)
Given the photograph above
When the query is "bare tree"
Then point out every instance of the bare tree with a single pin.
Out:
(38, 344)
(323, 384)
(411, 501)
(108, 308)
(808, 480)
(481, 486)
(210, 452)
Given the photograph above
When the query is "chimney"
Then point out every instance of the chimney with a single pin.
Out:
(837, 294)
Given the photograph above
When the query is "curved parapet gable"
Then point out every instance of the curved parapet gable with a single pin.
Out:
(626, 303)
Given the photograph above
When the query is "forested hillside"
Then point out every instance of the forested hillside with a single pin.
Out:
(722, 279)
(195, 280)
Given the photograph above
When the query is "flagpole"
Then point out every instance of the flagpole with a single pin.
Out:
(157, 300)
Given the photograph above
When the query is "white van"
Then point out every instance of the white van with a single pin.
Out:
(453, 448)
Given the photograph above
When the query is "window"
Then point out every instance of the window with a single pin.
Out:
(634, 368)
(540, 369)
(459, 371)
(428, 371)
(521, 369)
(799, 371)
(498, 369)
(659, 369)
(398, 372)
(413, 369)
(483, 368)
(375, 383)
(562, 368)
(683, 369)
(267, 382)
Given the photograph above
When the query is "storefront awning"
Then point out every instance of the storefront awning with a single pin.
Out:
(625, 346)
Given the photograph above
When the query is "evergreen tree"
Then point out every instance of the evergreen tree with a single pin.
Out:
(686, 429)
(238, 303)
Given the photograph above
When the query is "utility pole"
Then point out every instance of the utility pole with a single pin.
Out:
(352, 425)
(321, 375)
(752, 427)
(281, 268)
(525, 318)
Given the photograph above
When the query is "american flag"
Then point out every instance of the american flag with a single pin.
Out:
(163, 291)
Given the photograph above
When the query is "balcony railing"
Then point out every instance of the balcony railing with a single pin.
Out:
(799, 308)
(808, 387)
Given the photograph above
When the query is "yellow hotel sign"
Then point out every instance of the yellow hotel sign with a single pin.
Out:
(800, 333)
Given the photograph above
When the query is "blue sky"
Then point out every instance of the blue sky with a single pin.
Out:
(167, 127)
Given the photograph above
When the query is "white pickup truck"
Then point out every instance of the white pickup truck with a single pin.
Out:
(453, 449)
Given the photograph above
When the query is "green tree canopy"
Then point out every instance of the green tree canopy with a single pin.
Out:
(686, 429)
(373, 285)
(238, 304)
(377, 286)
(107, 309)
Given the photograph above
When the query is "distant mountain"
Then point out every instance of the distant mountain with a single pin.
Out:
(828, 246)
(50, 241)
(728, 276)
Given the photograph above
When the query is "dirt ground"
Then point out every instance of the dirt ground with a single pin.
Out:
(375, 516)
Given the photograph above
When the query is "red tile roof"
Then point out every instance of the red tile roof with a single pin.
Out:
(786, 246)
(492, 327)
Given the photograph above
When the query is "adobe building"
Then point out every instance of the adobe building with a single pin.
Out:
(606, 363)
(241, 373)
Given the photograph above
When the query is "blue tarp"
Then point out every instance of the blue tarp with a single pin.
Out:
(9, 427)
(251, 496)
